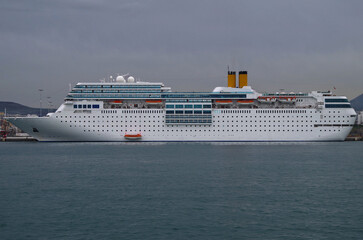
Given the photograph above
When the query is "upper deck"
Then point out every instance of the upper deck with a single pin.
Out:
(156, 95)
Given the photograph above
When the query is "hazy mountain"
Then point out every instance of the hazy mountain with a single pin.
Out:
(357, 103)
(16, 108)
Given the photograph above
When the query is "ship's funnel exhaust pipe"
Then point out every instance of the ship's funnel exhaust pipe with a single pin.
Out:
(242, 79)
(231, 79)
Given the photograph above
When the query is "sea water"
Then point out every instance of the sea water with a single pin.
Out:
(181, 190)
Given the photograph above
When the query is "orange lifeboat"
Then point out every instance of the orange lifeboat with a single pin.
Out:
(247, 101)
(223, 101)
(116, 102)
(131, 136)
(153, 101)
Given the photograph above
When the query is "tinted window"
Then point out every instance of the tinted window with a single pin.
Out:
(335, 100)
(337, 106)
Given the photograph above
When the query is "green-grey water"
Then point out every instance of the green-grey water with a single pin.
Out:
(181, 191)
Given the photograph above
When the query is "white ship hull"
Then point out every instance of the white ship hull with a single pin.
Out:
(143, 111)
(227, 125)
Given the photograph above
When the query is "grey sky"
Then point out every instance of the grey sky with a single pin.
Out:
(293, 45)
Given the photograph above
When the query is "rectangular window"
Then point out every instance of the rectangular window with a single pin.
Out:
(178, 106)
(179, 112)
(169, 112)
(207, 112)
(336, 100)
(75, 106)
(197, 106)
(89, 106)
(95, 106)
(197, 112)
(188, 112)
(207, 106)
(337, 106)
(84, 106)
(79, 106)
(169, 106)
(188, 106)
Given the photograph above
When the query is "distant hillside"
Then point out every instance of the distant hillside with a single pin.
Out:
(357, 103)
(16, 108)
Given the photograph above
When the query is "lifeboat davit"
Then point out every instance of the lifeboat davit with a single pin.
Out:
(130, 136)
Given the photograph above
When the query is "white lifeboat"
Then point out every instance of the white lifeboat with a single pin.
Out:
(267, 99)
(287, 99)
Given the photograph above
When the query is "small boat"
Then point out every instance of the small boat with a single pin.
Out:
(247, 101)
(265, 99)
(224, 101)
(131, 136)
(287, 99)
(153, 101)
(116, 102)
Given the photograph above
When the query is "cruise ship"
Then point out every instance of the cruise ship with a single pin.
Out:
(126, 110)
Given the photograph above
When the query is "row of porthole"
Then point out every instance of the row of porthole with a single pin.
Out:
(212, 116)
(167, 122)
(209, 130)
(226, 121)
(206, 131)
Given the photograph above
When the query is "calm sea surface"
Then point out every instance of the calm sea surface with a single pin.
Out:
(181, 191)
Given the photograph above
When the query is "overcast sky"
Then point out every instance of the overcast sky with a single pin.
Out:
(283, 44)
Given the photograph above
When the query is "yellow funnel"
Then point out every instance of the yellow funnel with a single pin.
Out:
(242, 79)
(231, 79)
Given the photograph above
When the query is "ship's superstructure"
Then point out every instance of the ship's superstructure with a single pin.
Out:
(129, 110)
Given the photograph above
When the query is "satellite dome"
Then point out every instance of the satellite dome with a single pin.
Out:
(131, 79)
(120, 79)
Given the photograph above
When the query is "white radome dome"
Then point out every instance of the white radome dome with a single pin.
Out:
(120, 79)
(131, 79)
